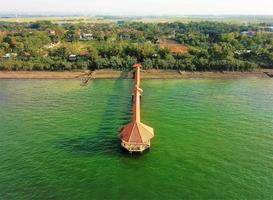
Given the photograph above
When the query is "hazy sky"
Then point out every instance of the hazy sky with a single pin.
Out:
(141, 7)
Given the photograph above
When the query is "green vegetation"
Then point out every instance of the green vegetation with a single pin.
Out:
(212, 46)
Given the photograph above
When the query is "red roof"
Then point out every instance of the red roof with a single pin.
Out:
(137, 65)
(137, 132)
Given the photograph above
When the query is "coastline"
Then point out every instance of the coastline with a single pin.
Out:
(115, 74)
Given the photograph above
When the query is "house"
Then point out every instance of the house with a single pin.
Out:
(9, 55)
(72, 57)
(51, 32)
(86, 36)
(249, 33)
(51, 45)
(6, 56)
(269, 28)
(240, 52)
(158, 41)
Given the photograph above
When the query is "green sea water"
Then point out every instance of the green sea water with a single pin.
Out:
(213, 140)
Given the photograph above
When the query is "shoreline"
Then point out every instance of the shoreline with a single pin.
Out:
(115, 74)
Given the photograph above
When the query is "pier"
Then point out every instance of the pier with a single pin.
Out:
(136, 136)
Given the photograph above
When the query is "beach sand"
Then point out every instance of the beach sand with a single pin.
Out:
(114, 74)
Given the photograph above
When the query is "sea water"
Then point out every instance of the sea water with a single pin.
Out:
(213, 140)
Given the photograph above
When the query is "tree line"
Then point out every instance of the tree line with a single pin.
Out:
(212, 46)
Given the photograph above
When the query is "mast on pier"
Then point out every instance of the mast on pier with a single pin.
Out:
(136, 136)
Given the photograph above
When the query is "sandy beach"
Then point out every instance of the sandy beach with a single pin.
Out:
(114, 74)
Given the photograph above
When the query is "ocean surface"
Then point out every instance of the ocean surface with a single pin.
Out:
(213, 140)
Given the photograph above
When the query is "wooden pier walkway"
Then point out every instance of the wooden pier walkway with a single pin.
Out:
(136, 136)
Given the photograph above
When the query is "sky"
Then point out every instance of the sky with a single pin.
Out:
(140, 7)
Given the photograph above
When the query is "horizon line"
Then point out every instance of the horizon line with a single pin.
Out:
(59, 13)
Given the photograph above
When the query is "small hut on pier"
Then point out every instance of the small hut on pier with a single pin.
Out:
(136, 137)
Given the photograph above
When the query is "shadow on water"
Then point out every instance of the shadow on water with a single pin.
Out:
(104, 140)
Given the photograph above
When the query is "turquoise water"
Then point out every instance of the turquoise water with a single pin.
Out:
(214, 140)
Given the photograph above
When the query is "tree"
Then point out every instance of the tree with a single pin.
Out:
(60, 52)
(128, 62)
(71, 35)
(92, 53)
(11, 40)
(211, 46)
(2, 52)
(148, 63)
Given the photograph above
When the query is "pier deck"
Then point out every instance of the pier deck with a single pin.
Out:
(136, 136)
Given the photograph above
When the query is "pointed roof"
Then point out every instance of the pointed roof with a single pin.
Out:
(137, 65)
(136, 132)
